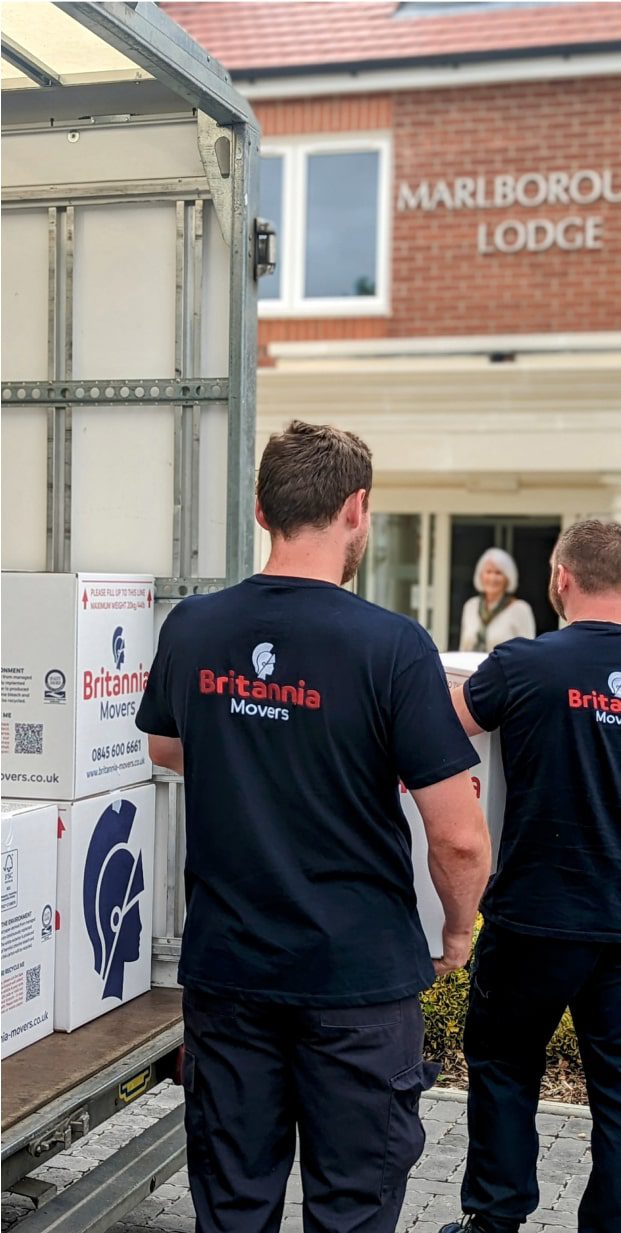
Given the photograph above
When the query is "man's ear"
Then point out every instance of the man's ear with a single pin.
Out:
(260, 516)
(355, 508)
(563, 578)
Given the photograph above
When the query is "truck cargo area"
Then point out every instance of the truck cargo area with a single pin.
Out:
(61, 1087)
(131, 253)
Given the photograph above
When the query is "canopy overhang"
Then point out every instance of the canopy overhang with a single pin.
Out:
(48, 46)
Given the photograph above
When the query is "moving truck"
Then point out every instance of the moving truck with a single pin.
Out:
(131, 252)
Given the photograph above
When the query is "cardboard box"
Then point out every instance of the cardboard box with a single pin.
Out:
(488, 782)
(105, 903)
(76, 651)
(29, 847)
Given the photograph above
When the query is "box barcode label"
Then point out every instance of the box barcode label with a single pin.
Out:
(33, 982)
(28, 738)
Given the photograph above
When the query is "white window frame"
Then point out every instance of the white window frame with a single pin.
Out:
(295, 152)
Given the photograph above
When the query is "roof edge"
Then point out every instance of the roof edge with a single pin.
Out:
(353, 67)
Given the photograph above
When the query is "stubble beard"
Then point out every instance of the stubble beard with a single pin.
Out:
(554, 597)
(353, 556)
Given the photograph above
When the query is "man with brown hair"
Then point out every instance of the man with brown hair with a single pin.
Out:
(295, 709)
(552, 934)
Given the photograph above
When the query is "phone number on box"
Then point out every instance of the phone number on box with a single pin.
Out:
(101, 753)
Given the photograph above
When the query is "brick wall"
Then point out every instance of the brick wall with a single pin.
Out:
(441, 284)
(354, 113)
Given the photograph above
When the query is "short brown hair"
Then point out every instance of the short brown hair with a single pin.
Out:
(307, 473)
(591, 551)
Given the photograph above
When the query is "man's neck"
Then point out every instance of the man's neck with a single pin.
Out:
(595, 608)
(310, 556)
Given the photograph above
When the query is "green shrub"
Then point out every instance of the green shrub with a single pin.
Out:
(444, 1008)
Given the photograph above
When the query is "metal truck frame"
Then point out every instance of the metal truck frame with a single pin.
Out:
(174, 80)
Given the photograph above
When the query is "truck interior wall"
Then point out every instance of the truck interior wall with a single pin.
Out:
(25, 263)
(151, 150)
(124, 327)
(169, 891)
(214, 418)
(123, 323)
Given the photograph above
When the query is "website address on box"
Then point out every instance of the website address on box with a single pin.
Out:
(21, 777)
(114, 768)
(24, 1027)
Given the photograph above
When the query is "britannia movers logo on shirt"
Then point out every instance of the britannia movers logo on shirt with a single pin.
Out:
(256, 698)
(605, 707)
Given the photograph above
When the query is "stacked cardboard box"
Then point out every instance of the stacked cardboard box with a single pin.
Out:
(76, 654)
(28, 914)
(489, 785)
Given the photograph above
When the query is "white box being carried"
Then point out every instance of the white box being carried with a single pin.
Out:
(489, 785)
(28, 917)
(76, 649)
(105, 903)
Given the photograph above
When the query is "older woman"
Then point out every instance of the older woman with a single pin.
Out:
(495, 615)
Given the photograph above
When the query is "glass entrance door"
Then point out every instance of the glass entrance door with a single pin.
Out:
(398, 569)
(530, 542)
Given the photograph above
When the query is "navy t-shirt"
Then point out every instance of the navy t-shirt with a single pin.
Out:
(557, 702)
(300, 707)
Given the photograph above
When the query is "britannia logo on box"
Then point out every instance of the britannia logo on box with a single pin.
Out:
(113, 885)
(118, 647)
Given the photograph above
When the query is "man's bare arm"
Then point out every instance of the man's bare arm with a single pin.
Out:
(463, 714)
(459, 860)
(167, 751)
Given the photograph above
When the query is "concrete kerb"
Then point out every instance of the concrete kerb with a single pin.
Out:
(545, 1106)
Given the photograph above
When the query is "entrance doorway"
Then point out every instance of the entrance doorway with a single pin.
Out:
(530, 542)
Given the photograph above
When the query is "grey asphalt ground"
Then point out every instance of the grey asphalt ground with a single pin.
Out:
(433, 1190)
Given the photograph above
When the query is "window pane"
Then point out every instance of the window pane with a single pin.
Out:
(271, 208)
(341, 225)
(390, 575)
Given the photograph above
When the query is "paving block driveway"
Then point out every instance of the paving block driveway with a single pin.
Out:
(433, 1190)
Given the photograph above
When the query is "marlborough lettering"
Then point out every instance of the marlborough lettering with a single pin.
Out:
(500, 192)
(530, 191)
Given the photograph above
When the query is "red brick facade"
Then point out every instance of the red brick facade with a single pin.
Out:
(441, 283)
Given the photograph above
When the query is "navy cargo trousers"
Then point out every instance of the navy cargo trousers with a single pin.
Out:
(349, 1079)
(520, 987)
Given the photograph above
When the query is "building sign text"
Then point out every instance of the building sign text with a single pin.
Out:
(529, 191)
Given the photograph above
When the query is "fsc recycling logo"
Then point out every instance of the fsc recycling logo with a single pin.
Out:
(55, 686)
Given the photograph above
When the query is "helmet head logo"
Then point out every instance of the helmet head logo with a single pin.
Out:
(614, 683)
(263, 660)
(118, 647)
(113, 884)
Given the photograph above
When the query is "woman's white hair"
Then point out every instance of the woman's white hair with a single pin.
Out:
(503, 562)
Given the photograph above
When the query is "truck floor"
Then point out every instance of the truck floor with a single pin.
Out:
(44, 1071)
